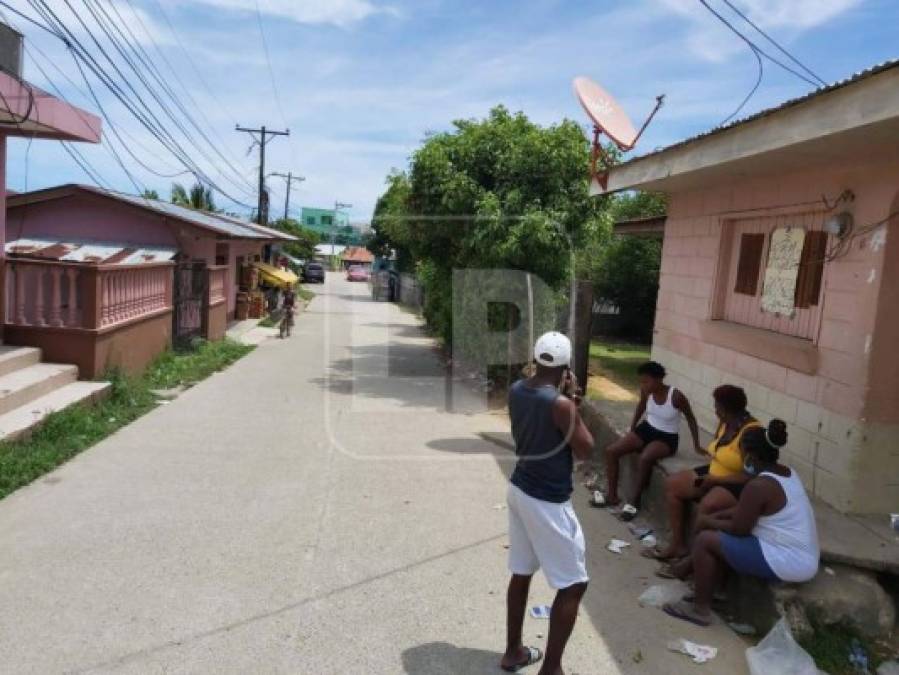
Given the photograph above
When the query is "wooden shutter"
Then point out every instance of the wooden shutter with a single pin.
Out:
(752, 246)
(811, 269)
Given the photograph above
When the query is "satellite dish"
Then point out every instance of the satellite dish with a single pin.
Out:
(608, 118)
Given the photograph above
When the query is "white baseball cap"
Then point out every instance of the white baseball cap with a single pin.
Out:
(553, 350)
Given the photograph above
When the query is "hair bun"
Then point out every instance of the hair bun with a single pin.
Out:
(777, 433)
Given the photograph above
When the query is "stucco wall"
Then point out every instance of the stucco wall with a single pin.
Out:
(825, 408)
(218, 321)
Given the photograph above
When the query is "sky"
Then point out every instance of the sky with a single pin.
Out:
(360, 83)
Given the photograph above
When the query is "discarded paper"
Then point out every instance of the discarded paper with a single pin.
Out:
(699, 653)
(617, 546)
(541, 611)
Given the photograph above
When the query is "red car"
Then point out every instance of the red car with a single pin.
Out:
(356, 273)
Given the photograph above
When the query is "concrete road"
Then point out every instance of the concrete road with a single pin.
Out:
(314, 509)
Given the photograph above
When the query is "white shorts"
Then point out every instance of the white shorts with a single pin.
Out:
(545, 535)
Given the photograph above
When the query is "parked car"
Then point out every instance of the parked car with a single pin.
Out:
(314, 273)
(356, 273)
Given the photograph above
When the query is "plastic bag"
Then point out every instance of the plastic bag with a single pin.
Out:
(656, 596)
(780, 654)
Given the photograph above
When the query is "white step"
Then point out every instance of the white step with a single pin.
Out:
(27, 384)
(16, 358)
(24, 419)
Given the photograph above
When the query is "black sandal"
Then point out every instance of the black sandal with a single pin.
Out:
(534, 655)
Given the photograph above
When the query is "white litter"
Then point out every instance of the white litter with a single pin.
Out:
(888, 668)
(829, 570)
(617, 546)
(779, 652)
(541, 611)
(599, 499)
(649, 541)
(699, 653)
(657, 596)
(499, 507)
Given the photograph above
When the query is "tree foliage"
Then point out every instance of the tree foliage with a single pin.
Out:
(304, 247)
(198, 197)
(497, 193)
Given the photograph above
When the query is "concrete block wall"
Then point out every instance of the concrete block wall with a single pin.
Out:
(829, 441)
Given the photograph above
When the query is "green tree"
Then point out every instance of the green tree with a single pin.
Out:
(304, 247)
(150, 194)
(497, 193)
(198, 197)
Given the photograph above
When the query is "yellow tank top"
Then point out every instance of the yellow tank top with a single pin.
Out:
(727, 460)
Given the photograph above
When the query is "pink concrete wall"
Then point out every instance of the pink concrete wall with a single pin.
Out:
(851, 286)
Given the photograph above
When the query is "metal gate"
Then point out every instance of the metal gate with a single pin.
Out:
(191, 299)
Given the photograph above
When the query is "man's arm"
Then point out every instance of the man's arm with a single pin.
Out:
(568, 420)
(682, 403)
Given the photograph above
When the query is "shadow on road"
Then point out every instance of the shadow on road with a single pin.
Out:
(443, 658)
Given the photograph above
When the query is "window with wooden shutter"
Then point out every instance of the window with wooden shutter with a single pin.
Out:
(811, 269)
(752, 247)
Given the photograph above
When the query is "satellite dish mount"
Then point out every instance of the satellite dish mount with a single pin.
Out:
(608, 118)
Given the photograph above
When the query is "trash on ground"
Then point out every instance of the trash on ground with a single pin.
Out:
(742, 628)
(541, 611)
(639, 531)
(858, 657)
(617, 546)
(627, 512)
(649, 540)
(829, 570)
(699, 653)
(661, 594)
(779, 652)
(499, 507)
(598, 499)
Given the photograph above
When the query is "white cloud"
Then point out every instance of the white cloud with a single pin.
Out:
(335, 12)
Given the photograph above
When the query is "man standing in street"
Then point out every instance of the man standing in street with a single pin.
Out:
(544, 531)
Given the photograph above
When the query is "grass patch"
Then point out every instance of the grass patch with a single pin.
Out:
(830, 646)
(66, 433)
(305, 294)
(268, 322)
(618, 361)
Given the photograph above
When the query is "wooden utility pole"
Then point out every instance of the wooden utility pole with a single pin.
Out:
(583, 319)
(290, 178)
(261, 140)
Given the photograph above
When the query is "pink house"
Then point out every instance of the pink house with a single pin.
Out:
(780, 273)
(57, 236)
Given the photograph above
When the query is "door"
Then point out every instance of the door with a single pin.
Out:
(191, 299)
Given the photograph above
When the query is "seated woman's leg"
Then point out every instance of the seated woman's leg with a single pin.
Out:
(651, 454)
(709, 566)
(679, 489)
(625, 445)
(717, 499)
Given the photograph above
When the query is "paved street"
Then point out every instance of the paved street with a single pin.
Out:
(314, 509)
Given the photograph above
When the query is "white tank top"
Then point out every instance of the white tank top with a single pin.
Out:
(789, 538)
(663, 417)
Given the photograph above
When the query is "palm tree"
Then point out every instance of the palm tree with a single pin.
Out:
(199, 197)
(150, 194)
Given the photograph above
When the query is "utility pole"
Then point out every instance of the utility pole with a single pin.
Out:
(289, 177)
(262, 141)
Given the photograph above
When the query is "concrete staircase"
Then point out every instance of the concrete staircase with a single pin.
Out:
(30, 390)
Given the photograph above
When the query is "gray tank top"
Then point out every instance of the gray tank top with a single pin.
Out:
(545, 461)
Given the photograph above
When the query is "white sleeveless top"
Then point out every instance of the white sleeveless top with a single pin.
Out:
(789, 538)
(663, 417)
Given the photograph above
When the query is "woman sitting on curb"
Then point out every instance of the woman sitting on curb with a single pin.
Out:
(725, 470)
(654, 438)
(770, 533)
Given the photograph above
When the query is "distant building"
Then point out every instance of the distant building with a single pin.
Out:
(329, 224)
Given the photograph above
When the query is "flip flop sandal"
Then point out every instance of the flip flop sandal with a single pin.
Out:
(685, 612)
(534, 655)
(598, 500)
(627, 513)
(655, 553)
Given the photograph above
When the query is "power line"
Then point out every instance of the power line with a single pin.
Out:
(754, 46)
(755, 88)
(774, 42)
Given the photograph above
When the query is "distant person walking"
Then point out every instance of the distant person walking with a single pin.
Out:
(544, 531)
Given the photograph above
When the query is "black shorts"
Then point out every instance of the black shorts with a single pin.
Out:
(734, 488)
(649, 433)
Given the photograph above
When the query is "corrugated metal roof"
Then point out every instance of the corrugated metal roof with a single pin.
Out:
(856, 77)
(73, 250)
